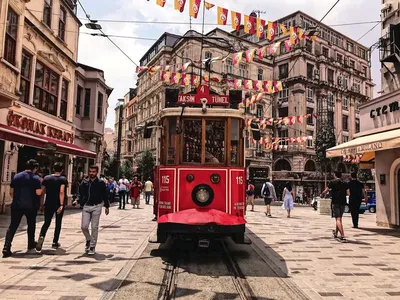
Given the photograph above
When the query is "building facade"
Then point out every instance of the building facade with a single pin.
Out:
(109, 141)
(39, 46)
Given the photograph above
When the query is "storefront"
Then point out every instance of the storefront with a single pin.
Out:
(25, 134)
(377, 146)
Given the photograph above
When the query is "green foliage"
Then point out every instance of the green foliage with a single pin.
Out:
(126, 169)
(325, 139)
(110, 166)
(365, 175)
(146, 165)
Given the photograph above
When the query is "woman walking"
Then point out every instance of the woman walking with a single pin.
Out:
(288, 198)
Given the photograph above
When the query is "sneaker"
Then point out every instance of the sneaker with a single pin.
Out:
(87, 246)
(56, 245)
(31, 251)
(6, 253)
(39, 244)
(269, 215)
(334, 234)
(91, 251)
(343, 239)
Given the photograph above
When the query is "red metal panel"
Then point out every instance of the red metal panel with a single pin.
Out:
(167, 191)
(237, 191)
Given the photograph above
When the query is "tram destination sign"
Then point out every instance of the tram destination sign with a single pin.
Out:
(202, 94)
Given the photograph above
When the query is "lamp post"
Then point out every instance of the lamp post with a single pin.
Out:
(119, 138)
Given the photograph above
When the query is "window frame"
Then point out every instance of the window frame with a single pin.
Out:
(64, 99)
(62, 23)
(285, 73)
(345, 123)
(100, 108)
(47, 12)
(25, 79)
(86, 103)
(78, 104)
(10, 41)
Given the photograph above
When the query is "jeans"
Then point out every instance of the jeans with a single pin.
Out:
(110, 197)
(122, 195)
(148, 194)
(48, 215)
(91, 215)
(355, 212)
(16, 216)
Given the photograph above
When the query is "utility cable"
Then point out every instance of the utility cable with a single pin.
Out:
(369, 31)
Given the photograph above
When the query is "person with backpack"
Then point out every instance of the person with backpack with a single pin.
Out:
(269, 194)
(25, 191)
(250, 196)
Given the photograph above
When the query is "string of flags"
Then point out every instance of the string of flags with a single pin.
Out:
(290, 120)
(354, 159)
(273, 143)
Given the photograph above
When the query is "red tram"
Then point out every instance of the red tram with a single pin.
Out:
(201, 181)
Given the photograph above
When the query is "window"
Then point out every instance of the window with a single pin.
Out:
(325, 51)
(46, 89)
(25, 76)
(47, 12)
(350, 47)
(310, 95)
(345, 103)
(282, 48)
(62, 23)
(192, 132)
(330, 76)
(86, 109)
(366, 91)
(64, 100)
(284, 134)
(352, 63)
(235, 142)
(356, 86)
(309, 45)
(78, 100)
(260, 111)
(357, 125)
(345, 82)
(357, 105)
(208, 55)
(100, 106)
(365, 71)
(243, 71)
(260, 74)
(310, 118)
(339, 58)
(345, 138)
(283, 112)
(310, 143)
(345, 123)
(283, 71)
(284, 95)
(11, 36)
(361, 53)
(331, 101)
(310, 71)
(229, 66)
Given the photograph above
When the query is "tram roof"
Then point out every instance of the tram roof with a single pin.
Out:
(197, 112)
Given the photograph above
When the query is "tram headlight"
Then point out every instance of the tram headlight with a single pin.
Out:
(202, 195)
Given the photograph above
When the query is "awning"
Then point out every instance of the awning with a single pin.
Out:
(12, 134)
(370, 143)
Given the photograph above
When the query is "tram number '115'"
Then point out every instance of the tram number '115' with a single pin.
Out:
(165, 179)
(239, 179)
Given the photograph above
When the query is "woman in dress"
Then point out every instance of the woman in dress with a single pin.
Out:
(288, 198)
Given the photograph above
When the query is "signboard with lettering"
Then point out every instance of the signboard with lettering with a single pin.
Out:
(371, 147)
(33, 126)
(238, 189)
(203, 95)
(384, 110)
(166, 193)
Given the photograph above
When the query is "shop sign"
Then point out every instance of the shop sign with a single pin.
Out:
(33, 126)
(203, 96)
(371, 147)
(384, 110)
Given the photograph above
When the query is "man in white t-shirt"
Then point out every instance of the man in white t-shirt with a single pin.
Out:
(148, 189)
(123, 189)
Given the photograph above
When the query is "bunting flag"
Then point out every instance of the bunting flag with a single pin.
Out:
(208, 5)
(167, 68)
(268, 87)
(250, 55)
(222, 15)
(140, 69)
(216, 78)
(180, 5)
(283, 29)
(249, 24)
(260, 28)
(194, 8)
(236, 20)
(258, 85)
(185, 66)
(274, 48)
(237, 58)
(271, 30)
(278, 86)
(300, 33)
(261, 52)
(176, 78)
(153, 70)
(195, 80)
(186, 80)
(238, 84)
(288, 45)
(165, 76)
(248, 84)
(293, 35)
(206, 78)
(161, 2)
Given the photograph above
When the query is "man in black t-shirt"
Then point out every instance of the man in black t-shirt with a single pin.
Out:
(357, 193)
(338, 190)
(54, 187)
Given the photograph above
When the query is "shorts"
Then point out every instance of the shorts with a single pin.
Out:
(267, 201)
(337, 210)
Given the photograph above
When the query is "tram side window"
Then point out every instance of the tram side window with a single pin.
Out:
(172, 136)
(235, 142)
(215, 141)
(192, 134)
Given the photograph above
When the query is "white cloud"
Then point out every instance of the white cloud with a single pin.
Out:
(120, 72)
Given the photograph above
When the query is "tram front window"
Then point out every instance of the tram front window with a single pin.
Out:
(215, 142)
(172, 136)
(192, 133)
(235, 144)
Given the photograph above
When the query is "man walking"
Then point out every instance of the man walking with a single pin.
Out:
(269, 194)
(339, 190)
(54, 187)
(135, 189)
(123, 188)
(356, 193)
(250, 196)
(25, 191)
(148, 189)
(93, 198)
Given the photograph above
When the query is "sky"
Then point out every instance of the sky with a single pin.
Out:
(119, 71)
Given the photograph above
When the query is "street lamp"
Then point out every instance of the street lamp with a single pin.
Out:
(119, 139)
(93, 25)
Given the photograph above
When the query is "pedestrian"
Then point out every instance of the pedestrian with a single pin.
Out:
(25, 191)
(356, 192)
(135, 189)
(54, 188)
(123, 188)
(250, 196)
(338, 189)
(269, 194)
(148, 189)
(93, 198)
(110, 190)
(287, 196)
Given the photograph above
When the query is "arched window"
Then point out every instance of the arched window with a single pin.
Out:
(282, 165)
(310, 166)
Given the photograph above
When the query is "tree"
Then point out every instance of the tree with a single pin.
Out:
(365, 175)
(127, 169)
(324, 140)
(146, 165)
